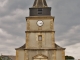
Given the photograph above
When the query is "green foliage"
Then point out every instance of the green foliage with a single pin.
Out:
(5, 58)
(0, 58)
(69, 57)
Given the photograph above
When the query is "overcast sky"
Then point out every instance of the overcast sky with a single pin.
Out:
(13, 24)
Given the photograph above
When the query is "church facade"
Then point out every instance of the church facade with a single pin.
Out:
(40, 35)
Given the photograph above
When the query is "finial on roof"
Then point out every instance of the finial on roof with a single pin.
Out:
(40, 3)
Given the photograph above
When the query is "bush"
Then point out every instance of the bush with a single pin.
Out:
(69, 57)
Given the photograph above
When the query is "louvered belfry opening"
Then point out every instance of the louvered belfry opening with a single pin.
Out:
(40, 8)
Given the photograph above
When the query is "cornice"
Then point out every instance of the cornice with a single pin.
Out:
(38, 31)
(39, 17)
(45, 49)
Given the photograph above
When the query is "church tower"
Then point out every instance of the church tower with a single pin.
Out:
(40, 35)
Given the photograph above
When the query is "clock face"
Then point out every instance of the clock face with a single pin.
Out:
(39, 23)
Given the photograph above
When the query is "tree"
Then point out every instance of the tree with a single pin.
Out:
(0, 58)
(69, 57)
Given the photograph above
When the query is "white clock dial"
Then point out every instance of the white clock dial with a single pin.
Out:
(40, 23)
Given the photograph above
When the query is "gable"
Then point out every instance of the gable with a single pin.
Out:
(40, 56)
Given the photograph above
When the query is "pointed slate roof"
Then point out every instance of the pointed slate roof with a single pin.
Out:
(40, 3)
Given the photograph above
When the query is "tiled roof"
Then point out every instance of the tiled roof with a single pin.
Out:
(22, 47)
(56, 47)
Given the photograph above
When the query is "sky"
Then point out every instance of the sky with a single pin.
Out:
(13, 24)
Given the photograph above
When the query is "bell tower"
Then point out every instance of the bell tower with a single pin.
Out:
(40, 35)
(40, 31)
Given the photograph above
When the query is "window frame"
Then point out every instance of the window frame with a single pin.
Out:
(39, 37)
